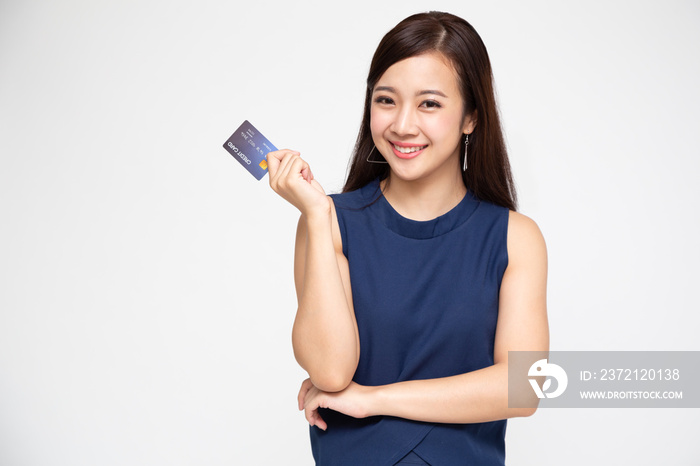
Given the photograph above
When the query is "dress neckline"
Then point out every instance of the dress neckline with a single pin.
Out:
(421, 229)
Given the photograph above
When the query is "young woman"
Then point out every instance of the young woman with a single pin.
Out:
(416, 281)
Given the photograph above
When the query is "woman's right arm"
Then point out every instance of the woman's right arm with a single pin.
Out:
(324, 336)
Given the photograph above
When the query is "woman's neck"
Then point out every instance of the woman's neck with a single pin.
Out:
(423, 199)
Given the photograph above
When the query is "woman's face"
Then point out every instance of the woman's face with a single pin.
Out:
(417, 118)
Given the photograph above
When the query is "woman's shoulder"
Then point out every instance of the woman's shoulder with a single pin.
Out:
(525, 238)
(522, 224)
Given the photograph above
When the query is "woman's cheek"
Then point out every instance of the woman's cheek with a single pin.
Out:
(378, 122)
(443, 129)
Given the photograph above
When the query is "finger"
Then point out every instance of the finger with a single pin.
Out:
(278, 181)
(309, 415)
(320, 423)
(283, 161)
(315, 419)
(312, 402)
(276, 156)
(286, 164)
(306, 173)
(295, 167)
(305, 387)
(289, 166)
(304, 170)
(274, 159)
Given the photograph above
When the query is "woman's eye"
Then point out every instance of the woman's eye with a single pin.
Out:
(384, 100)
(431, 104)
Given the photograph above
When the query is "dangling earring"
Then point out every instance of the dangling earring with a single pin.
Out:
(375, 161)
(466, 146)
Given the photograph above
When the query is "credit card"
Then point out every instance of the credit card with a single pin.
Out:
(249, 147)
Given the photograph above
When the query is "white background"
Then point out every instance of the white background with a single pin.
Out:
(146, 295)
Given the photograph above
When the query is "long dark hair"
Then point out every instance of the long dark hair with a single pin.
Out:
(488, 175)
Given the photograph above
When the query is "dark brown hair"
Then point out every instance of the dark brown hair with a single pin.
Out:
(488, 176)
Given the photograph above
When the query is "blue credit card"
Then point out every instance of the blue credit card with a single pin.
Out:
(250, 147)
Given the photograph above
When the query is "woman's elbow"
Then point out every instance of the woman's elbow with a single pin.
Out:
(328, 376)
(330, 370)
(523, 412)
(331, 381)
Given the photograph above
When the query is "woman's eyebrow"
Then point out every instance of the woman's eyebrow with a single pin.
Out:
(385, 88)
(424, 92)
(431, 91)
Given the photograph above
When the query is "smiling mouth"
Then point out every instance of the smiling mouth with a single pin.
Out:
(408, 150)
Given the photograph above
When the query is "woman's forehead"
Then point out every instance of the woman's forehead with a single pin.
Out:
(428, 71)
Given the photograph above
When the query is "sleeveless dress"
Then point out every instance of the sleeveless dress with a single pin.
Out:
(425, 295)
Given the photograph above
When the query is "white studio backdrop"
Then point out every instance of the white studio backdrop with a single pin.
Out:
(146, 294)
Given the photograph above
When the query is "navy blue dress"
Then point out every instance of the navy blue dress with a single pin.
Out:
(425, 295)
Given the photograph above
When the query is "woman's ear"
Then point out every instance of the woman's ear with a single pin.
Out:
(469, 123)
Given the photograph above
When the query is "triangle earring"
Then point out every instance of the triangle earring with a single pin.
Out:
(375, 161)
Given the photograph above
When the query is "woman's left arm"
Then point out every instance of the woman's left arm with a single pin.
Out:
(478, 396)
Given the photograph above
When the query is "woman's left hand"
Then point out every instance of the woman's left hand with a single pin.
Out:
(352, 401)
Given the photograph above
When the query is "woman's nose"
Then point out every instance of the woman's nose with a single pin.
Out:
(405, 122)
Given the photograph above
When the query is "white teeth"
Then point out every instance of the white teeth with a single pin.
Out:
(408, 150)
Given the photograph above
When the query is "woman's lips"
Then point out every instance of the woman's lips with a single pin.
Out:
(407, 151)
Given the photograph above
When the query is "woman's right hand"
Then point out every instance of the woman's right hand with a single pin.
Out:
(291, 178)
